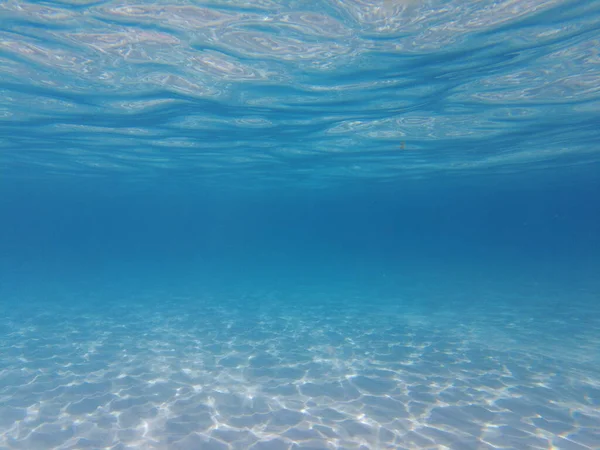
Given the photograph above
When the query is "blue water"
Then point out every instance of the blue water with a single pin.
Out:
(327, 224)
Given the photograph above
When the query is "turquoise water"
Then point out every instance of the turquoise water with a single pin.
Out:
(300, 224)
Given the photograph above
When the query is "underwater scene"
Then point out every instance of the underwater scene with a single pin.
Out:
(299, 224)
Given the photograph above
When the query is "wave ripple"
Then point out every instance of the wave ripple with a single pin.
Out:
(316, 92)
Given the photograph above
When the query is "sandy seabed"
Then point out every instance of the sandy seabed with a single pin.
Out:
(265, 373)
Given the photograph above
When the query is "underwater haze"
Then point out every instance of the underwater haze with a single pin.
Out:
(289, 224)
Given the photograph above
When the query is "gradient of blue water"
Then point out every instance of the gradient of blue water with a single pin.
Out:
(329, 224)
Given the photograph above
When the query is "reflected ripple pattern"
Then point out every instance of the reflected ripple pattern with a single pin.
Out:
(303, 93)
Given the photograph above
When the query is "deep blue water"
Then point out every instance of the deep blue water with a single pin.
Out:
(291, 224)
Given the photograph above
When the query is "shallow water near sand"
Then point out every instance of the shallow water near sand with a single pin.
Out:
(299, 225)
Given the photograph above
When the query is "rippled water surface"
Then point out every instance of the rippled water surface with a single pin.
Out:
(312, 92)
